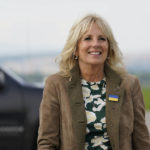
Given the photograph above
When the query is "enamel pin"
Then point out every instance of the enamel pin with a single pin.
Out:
(113, 98)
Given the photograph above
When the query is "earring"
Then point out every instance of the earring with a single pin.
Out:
(75, 57)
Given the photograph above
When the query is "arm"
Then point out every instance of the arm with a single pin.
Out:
(48, 135)
(141, 138)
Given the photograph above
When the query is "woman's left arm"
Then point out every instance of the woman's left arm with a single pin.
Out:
(141, 138)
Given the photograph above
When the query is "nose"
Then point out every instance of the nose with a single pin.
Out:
(95, 43)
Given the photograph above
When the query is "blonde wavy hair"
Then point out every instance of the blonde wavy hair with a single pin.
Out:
(79, 28)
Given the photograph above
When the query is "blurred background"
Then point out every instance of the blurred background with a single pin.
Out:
(33, 33)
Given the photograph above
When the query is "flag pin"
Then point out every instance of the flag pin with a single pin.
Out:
(113, 98)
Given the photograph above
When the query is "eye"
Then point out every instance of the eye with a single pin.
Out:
(87, 38)
(102, 38)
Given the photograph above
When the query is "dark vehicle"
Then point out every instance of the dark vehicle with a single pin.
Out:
(19, 112)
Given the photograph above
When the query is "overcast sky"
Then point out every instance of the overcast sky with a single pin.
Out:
(30, 26)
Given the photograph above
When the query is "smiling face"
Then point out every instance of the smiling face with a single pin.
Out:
(92, 47)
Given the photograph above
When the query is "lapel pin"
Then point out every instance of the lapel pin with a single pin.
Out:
(113, 98)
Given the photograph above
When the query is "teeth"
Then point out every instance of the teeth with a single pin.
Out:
(95, 53)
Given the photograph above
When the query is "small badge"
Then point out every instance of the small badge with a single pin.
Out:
(113, 98)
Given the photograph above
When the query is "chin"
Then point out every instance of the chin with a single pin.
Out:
(97, 63)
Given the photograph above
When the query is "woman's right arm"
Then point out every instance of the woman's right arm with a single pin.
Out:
(48, 134)
(141, 138)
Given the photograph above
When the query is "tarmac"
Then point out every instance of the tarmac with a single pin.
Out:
(147, 118)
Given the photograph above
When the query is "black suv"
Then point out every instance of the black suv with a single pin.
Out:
(19, 112)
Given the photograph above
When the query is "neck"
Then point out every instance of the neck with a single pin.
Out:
(92, 73)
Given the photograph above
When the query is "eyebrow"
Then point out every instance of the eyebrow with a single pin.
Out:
(91, 35)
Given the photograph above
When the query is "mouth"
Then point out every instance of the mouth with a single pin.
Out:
(95, 53)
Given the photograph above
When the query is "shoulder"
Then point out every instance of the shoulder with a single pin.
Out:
(54, 84)
(56, 78)
(129, 77)
(129, 80)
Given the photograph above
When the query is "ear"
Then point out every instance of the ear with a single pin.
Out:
(76, 53)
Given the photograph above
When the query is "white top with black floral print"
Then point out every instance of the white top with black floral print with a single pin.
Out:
(94, 95)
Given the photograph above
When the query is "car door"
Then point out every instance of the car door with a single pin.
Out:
(11, 113)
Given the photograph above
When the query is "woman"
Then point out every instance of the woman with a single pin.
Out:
(92, 103)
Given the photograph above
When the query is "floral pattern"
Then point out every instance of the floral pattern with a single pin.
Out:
(94, 95)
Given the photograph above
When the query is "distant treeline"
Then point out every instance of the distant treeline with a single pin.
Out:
(39, 77)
